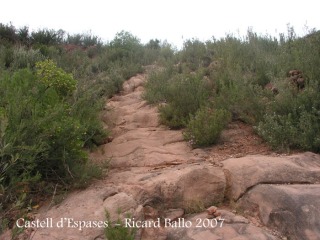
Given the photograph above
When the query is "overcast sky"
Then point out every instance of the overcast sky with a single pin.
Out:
(171, 20)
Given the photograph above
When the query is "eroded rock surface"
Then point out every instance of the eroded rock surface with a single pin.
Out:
(294, 210)
(246, 172)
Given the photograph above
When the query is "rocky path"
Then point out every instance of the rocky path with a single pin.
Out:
(155, 175)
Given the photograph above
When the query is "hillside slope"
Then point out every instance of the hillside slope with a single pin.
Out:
(154, 174)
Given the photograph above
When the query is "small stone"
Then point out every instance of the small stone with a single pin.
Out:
(217, 214)
(211, 210)
(210, 216)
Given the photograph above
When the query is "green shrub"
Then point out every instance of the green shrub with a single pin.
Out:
(167, 54)
(278, 131)
(7, 56)
(43, 133)
(2, 57)
(76, 62)
(47, 37)
(131, 69)
(205, 126)
(150, 55)
(7, 33)
(115, 80)
(246, 101)
(23, 35)
(52, 76)
(87, 103)
(116, 231)
(293, 121)
(76, 39)
(184, 96)
(194, 53)
(23, 58)
(157, 86)
(171, 117)
(7, 160)
(126, 48)
(85, 40)
(40, 128)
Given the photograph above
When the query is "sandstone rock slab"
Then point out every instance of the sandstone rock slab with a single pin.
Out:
(119, 205)
(246, 172)
(187, 185)
(80, 206)
(294, 210)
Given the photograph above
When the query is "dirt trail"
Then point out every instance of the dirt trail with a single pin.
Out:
(138, 139)
(153, 169)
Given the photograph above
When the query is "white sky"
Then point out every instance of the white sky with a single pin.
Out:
(166, 19)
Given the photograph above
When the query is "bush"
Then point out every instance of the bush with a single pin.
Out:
(244, 100)
(52, 76)
(47, 37)
(130, 70)
(6, 56)
(76, 62)
(157, 86)
(151, 52)
(43, 133)
(184, 96)
(87, 103)
(293, 121)
(23, 58)
(7, 33)
(205, 126)
(125, 49)
(118, 231)
(194, 53)
(3, 51)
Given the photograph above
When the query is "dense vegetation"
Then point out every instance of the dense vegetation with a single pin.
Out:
(272, 84)
(53, 86)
